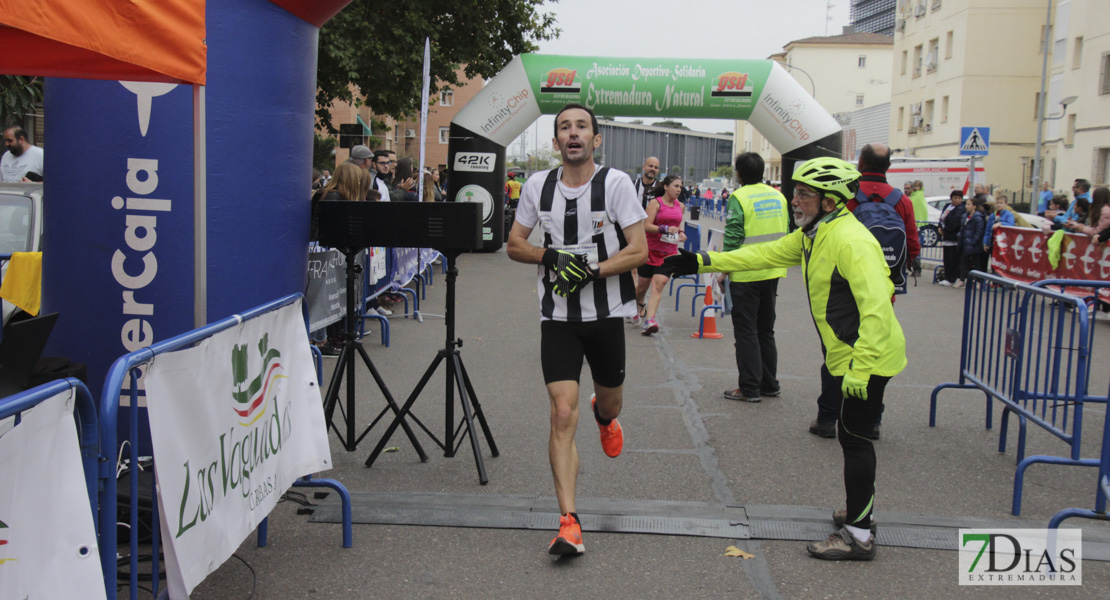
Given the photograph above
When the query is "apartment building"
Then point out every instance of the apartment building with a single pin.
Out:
(874, 16)
(403, 136)
(844, 73)
(978, 63)
(1077, 144)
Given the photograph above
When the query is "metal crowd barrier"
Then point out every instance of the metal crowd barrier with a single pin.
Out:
(84, 412)
(1102, 490)
(129, 366)
(391, 283)
(88, 438)
(693, 244)
(1029, 348)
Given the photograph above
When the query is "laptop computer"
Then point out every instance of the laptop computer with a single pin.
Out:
(20, 349)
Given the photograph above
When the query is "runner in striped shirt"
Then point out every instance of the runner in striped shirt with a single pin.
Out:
(593, 236)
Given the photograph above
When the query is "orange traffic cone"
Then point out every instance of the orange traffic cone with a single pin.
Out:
(708, 326)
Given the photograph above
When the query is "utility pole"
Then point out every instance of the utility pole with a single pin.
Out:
(1037, 166)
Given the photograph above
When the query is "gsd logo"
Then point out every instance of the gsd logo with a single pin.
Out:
(732, 85)
(560, 80)
(251, 403)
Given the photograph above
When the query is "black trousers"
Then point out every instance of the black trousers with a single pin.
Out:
(857, 419)
(951, 263)
(753, 326)
(969, 263)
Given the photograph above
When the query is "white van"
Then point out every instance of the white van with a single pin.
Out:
(940, 175)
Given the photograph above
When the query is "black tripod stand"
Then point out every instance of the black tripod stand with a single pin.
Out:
(346, 364)
(456, 378)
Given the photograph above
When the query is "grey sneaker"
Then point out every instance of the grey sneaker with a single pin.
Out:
(840, 516)
(739, 396)
(842, 546)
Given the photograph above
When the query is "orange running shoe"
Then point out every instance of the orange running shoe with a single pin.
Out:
(612, 436)
(569, 540)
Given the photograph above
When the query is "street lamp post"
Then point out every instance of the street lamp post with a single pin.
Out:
(1040, 100)
(667, 161)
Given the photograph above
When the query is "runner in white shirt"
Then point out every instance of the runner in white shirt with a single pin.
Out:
(593, 237)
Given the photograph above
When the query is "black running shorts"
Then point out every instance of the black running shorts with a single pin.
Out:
(563, 344)
(648, 271)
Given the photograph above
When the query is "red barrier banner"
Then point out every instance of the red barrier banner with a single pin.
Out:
(1021, 254)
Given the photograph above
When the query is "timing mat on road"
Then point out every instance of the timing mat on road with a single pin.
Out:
(749, 521)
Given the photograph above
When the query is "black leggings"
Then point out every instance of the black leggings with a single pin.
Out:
(857, 420)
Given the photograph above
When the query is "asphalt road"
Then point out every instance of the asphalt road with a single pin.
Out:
(684, 443)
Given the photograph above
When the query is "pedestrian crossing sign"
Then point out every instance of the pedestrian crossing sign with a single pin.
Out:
(975, 141)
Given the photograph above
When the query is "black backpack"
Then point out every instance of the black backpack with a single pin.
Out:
(880, 218)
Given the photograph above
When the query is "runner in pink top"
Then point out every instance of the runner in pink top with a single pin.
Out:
(664, 234)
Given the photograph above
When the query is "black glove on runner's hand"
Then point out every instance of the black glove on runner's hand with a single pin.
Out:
(683, 263)
(570, 270)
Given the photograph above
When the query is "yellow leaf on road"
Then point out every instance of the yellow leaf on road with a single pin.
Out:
(734, 551)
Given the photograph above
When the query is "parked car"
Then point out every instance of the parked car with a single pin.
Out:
(20, 224)
(20, 217)
(930, 232)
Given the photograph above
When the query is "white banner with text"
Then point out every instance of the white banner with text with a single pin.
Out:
(47, 539)
(234, 421)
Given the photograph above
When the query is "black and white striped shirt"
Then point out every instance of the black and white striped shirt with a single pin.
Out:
(589, 219)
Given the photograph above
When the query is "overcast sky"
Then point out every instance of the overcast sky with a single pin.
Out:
(742, 29)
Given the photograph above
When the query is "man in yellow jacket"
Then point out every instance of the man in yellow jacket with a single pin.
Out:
(849, 297)
(757, 214)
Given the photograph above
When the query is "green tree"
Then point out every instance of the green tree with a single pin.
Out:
(323, 152)
(19, 96)
(543, 159)
(672, 125)
(722, 171)
(376, 50)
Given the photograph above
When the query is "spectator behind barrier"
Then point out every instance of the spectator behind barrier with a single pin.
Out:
(951, 221)
(429, 187)
(1098, 215)
(971, 238)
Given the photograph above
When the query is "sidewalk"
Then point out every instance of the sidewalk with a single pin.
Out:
(690, 456)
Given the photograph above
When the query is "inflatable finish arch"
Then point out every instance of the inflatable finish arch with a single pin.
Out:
(759, 91)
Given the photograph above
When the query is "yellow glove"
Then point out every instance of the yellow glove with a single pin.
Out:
(855, 385)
